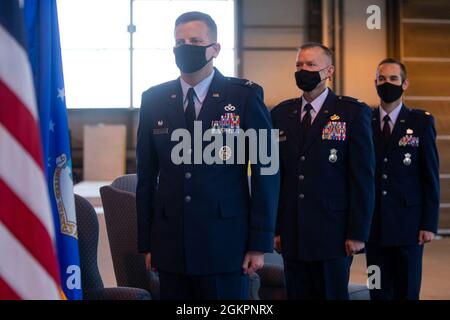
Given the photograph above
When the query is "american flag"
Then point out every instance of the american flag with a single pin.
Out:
(28, 265)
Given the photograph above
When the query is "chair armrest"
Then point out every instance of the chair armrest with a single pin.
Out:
(358, 292)
(254, 285)
(272, 275)
(153, 278)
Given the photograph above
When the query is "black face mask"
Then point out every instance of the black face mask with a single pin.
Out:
(389, 92)
(308, 80)
(191, 58)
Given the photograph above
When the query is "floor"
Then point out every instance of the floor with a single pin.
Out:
(436, 270)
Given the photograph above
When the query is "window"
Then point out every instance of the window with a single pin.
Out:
(100, 70)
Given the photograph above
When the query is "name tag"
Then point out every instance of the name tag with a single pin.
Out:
(161, 131)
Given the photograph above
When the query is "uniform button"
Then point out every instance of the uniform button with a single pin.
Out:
(384, 192)
(301, 177)
(187, 199)
(385, 160)
(301, 196)
(384, 176)
(187, 175)
(302, 158)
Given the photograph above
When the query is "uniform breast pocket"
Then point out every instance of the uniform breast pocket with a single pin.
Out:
(161, 136)
(287, 148)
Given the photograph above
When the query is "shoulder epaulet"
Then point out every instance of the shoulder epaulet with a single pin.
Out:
(350, 99)
(242, 82)
(420, 112)
(289, 102)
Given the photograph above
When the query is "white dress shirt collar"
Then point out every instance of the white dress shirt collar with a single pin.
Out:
(393, 115)
(316, 104)
(201, 89)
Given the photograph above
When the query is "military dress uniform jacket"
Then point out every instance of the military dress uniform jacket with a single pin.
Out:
(407, 179)
(200, 219)
(327, 180)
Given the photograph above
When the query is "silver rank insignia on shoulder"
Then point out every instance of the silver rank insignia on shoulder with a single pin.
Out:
(407, 160)
(333, 156)
(216, 95)
(173, 96)
(249, 83)
(229, 107)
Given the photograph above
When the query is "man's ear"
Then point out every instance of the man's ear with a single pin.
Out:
(330, 72)
(216, 48)
(405, 84)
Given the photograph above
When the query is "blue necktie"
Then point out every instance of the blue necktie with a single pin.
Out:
(306, 121)
(189, 113)
(386, 129)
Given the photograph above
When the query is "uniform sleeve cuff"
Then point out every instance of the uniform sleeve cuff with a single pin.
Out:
(261, 241)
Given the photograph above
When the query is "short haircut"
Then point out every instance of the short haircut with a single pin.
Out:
(403, 73)
(199, 16)
(326, 50)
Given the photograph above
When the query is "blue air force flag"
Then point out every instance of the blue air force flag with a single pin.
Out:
(44, 51)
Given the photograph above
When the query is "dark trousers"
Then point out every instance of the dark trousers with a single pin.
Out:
(225, 286)
(317, 280)
(400, 271)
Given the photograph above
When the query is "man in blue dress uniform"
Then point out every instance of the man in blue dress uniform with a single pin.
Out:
(407, 187)
(199, 223)
(327, 166)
